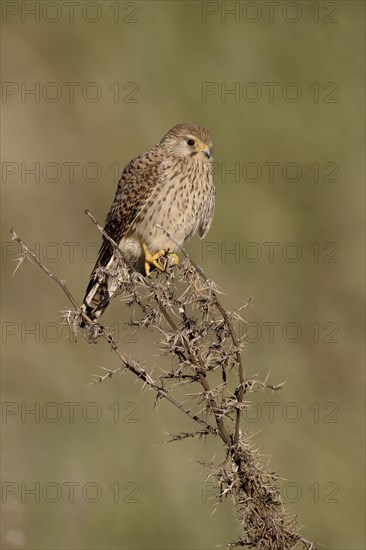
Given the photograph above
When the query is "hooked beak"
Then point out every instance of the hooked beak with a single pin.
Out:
(206, 151)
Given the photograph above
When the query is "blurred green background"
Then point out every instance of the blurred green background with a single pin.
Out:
(150, 63)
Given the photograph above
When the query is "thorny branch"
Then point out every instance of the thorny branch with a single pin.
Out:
(194, 360)
(183, 307)
(98, 330)
(229, 325)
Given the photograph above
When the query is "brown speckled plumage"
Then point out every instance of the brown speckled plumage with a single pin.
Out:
(170, 185)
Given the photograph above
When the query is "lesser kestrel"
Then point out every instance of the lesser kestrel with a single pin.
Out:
(171, 187)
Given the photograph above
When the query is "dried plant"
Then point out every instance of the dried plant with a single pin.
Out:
(182, 306)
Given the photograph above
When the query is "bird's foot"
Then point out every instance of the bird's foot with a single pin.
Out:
(152, 259)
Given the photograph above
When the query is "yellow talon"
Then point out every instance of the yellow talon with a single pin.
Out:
(151, 259)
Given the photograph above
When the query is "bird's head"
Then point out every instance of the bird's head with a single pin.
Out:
(188, 141)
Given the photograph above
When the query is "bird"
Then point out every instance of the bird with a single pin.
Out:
(170, 188)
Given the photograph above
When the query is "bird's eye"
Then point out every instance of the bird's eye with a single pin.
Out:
(191, 142)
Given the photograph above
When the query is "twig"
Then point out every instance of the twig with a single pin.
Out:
(128, 363)
(202, 378)
(201, 346)
(223, 312)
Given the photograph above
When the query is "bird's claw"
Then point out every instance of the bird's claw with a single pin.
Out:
(151, 259)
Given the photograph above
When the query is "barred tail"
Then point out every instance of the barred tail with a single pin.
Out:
(96, 299)
(105, 282)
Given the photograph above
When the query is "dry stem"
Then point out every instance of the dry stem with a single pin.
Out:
(195, 329)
